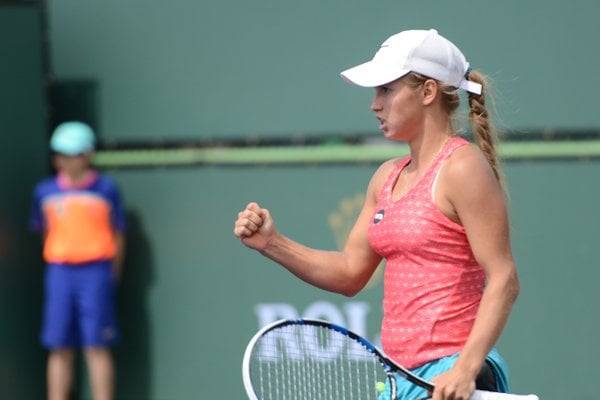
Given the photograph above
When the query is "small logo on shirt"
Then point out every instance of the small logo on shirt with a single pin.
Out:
(378, 217)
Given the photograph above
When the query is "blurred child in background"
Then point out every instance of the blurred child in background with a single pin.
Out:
(80, 215)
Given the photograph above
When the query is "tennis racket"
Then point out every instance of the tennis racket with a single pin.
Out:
(311, 359)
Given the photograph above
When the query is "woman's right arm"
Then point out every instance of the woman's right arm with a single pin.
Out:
(345, 272)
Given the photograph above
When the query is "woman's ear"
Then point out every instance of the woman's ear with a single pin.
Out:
(430, 91)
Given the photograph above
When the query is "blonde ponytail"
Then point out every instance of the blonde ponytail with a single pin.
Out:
(483, 130)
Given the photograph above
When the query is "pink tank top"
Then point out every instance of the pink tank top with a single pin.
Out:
(432, 282)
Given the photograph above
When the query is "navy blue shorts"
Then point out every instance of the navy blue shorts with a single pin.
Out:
(79, 309)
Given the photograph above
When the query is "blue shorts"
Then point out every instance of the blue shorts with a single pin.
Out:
(79, 309)
(408, 390)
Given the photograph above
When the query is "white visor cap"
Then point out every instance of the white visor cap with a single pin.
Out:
(421, 51)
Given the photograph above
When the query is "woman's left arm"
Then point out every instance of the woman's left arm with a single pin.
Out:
(478, 203)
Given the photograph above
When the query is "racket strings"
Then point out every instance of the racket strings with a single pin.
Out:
(306, 362)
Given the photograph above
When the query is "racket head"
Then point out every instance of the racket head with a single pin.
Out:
(312, 358)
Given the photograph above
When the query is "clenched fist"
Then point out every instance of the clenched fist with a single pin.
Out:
(254, 226)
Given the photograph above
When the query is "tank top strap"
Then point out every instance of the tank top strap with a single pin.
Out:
(454, 143)
(386, 192)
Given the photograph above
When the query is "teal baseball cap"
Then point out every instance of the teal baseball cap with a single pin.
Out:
(72, 138)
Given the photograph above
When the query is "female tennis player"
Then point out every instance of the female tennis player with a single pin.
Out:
(437, 216)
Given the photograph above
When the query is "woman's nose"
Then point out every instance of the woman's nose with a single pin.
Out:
(375, 104)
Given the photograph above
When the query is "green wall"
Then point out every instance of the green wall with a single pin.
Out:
(229, 68)
(556, 226)
(192, 293)
(192, 296)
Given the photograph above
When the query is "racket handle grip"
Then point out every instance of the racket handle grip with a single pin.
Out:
(484, 395)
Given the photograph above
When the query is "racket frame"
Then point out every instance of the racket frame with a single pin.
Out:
(390, 367)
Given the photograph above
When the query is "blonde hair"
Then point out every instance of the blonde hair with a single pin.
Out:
(482, 127)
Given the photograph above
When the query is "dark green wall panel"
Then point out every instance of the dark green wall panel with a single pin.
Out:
(23, 160)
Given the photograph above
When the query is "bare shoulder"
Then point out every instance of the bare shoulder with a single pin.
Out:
(381, 174)
(386, 167)
(467, 166)
(467, 183)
